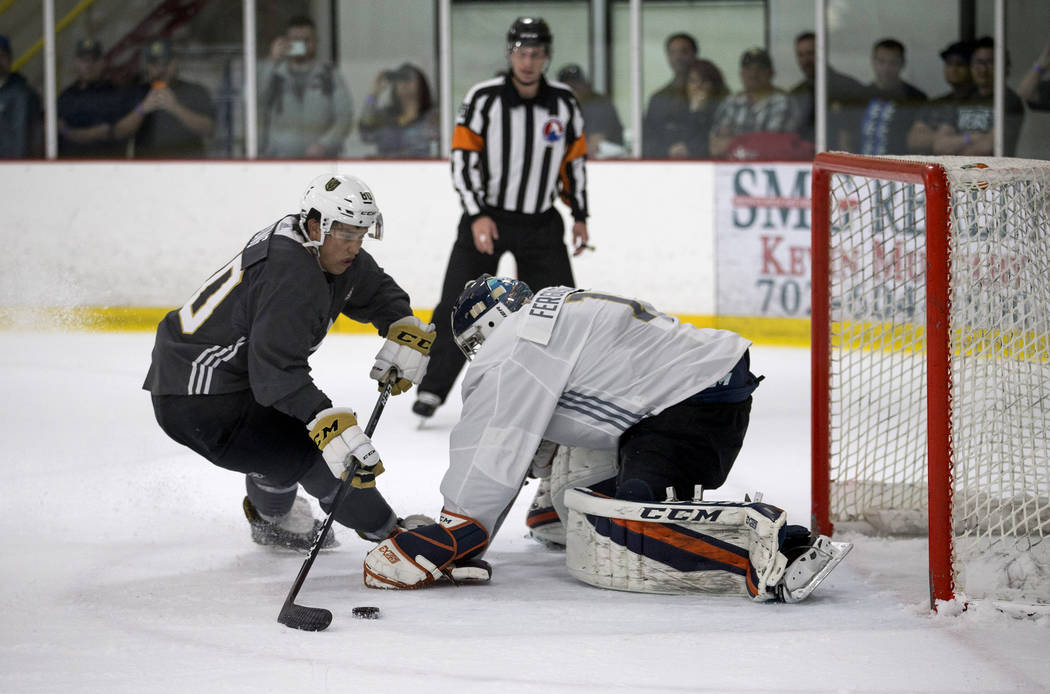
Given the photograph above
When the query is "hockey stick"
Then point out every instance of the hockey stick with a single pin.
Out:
(318, 618)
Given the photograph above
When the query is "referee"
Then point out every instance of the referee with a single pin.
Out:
(517, 145)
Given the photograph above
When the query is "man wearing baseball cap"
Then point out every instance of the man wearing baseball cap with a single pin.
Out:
(760, 107)
(88, 108)
(956, 59)
(168, 116)
(603, 123)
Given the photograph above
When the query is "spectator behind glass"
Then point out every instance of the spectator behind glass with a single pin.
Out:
(21, 131)
(666, 118)
(604, 129)
(760, 108)
(892, 104)
(956, 59)
(168, 116)
(89, 108)
(845, 94)
(304, 104)
(1035, 86)
(705, 89)
(970, 127)
(399, 115)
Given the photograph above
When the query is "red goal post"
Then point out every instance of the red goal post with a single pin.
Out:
(926, 308)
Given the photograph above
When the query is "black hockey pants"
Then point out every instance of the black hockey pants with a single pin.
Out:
(235, 432)
(692, 442)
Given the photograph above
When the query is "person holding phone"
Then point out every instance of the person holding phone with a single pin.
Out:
(305, 109)
(167, 117)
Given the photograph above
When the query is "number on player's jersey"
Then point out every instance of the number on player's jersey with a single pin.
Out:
(203, 303)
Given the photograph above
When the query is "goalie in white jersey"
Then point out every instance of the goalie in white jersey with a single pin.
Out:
(668, 403)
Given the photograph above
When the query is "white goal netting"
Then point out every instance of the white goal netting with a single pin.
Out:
(997, 373)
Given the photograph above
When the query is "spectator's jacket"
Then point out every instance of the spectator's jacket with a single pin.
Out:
(162, 135)
(20, 128)
(977, 114)
(297, 109)
(82, 106)
(667, 121)
(774, 112)
(415, 140)
(887, 118)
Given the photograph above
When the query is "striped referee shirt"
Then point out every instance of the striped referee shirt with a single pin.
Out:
(516, 154)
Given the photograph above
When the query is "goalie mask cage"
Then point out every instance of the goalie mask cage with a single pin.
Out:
(931, 380)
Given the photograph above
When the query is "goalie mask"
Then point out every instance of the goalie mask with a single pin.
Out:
(341, 198)
(482, 306)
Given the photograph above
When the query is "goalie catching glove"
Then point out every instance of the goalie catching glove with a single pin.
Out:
(405, 353)
(340, 439)
(418, 557)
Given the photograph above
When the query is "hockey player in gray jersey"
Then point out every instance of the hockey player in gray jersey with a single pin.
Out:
(230, 377)
(646, 409)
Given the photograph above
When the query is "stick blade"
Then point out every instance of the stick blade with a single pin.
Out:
(305, 618)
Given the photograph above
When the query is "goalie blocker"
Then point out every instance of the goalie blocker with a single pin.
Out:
(722, 547)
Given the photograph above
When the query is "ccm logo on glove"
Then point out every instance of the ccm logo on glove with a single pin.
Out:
(335, 431)
(403, 359)
(329, 426)
(413, 339)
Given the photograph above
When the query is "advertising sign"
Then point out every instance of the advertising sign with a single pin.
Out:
(762, 219)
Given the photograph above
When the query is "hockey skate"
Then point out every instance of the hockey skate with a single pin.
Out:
(425, 406)
(809, 570)
(544, 524)
(296, 531)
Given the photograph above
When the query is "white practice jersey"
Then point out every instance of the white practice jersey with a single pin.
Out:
(576, 367)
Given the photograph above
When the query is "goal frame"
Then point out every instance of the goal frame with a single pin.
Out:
(938, 355)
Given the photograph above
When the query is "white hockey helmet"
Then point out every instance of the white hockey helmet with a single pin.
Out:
(342, 198)
(482, 306)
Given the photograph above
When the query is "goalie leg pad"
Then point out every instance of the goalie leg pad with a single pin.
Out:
(579, 467)
(723, 548)
(418, 557)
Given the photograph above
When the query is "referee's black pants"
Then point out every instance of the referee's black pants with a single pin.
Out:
(537, 242)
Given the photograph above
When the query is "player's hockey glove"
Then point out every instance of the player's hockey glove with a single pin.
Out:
(336, 433)
(405, 353)
(418, 557)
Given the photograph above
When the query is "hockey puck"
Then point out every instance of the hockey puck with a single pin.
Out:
(366, 612)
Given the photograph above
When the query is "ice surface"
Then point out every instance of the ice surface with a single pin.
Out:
(127, 567)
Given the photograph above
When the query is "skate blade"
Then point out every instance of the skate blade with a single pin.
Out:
(842, 549)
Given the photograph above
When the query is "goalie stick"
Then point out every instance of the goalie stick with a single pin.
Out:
(318, 618)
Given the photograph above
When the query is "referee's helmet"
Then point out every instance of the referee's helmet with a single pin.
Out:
(529, 31)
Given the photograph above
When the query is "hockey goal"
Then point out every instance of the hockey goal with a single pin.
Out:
(931, 364)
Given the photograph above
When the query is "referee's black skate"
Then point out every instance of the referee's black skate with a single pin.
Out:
(296, 531)
(425, 406)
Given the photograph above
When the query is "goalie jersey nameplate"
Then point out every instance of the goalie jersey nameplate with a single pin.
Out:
(543, 313)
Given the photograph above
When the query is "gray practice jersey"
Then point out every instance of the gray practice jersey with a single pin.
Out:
(577, 368)
(255, 322)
